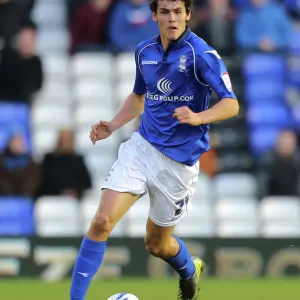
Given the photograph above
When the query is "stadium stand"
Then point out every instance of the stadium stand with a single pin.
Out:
(81, 89)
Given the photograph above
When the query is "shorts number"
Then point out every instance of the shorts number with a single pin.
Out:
(181, 205)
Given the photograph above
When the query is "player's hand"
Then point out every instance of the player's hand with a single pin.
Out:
(101, 131)
(185, 116)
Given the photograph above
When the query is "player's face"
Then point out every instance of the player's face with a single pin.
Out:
(171, 17)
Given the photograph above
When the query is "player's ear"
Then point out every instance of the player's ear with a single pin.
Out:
(154, 17)
(188, 15)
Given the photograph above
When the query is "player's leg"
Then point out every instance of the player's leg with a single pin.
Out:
(112, 207)
(123, 186)
(161, 243)
(171, 188)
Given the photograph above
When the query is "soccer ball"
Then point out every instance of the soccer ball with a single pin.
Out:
(123, 296)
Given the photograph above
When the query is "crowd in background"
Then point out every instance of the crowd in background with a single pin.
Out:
(232, 28)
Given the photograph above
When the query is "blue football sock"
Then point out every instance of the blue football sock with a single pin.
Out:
(86, 266)
(182, 263)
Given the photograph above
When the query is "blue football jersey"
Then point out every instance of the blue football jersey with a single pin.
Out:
(184, 75)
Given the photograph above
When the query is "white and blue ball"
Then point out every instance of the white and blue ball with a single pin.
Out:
(123, 296)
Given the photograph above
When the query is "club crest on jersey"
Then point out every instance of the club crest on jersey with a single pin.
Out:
(182, 63)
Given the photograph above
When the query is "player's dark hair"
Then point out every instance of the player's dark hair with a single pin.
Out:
(187, 3)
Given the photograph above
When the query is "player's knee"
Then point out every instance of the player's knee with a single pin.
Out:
(155, 247)
(101, 224)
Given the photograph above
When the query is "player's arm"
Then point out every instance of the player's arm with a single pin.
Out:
(223, 110)
(213, 71)
(132, 107)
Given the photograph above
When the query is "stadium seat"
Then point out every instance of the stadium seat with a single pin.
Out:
(57, 216)
(294, 71)
(236, 209)
(59, 228)
(56, 207)
(43, 114)
(83, 144)
(281, 229)
(15, 207)
(126, 67)
(127, 130)
(44, 140)
(295, 41)
(123, 90)
(264, 66)
(198, 223)
(95, 92)
(16, 216)
(264, 91)
(204, 191)
(14, 116)
(238, 229)
(93, 65)
(56, 67)
(4, 137)
(190, 228)
(137, 217)
(269, 115)
(89, 114)
(262, 139)
(22, 227)
(14, 113)
(52, 41)
(88, 209)
(235, 185)
(100, 162)
(49, 14)
(55, 91)
(280, 208)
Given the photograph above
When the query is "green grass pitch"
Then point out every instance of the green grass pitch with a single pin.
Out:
(147, 289)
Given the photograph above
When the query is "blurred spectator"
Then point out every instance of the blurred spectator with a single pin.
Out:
(89, 26)
(131, 22)
(215, 24)
(282, 167)
(12, 14)
(19, 174)
(20, 68)
(64, 171)
(263, 26)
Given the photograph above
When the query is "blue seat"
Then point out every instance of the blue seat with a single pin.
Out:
(15, 207)
(4, 136)
(12, 116)
(262, 92)
(269, 115)
(18, 113)
(262, 139)
(295, 42)
(16, 216)
(17, 227)
(264, 65)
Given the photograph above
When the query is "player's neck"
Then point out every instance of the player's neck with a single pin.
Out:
(165, 43)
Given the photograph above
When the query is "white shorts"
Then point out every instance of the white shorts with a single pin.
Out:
(140, 168)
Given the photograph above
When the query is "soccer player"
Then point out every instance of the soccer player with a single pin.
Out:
(175, 75)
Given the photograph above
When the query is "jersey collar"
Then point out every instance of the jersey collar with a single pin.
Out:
(180, 39)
